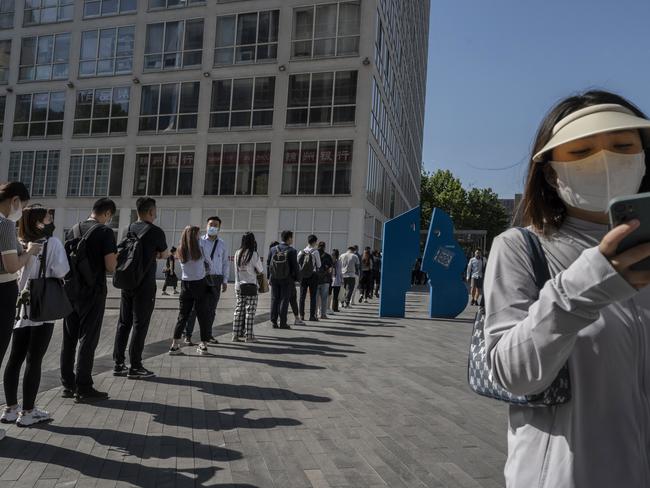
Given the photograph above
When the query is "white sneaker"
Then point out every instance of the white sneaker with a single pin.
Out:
(298, 321)
(202, 349)
(235, 338)
(3, 433)
(9, 415)
(25, 419)
(175, 350)
(251, 339)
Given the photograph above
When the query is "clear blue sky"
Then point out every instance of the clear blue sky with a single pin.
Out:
(495, 67)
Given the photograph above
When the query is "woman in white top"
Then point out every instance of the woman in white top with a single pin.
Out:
(247, 266)
(592, 315)
(31, 339)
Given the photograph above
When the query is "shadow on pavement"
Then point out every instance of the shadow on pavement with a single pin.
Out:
(269, 362)
(296, 349)
(308, 340)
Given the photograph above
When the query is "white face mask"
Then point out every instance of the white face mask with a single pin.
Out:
(590, 183)
(213, 231)
(16, 213)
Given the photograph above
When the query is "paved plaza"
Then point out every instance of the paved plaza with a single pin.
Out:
(353, 401)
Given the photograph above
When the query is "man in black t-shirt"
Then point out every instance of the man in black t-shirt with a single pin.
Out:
(83, 326)
(136, 306)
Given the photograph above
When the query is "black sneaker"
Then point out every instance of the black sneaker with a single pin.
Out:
(274, 324)
(67, 393)
(90, 395)
(286, 326)
(213, 340)
(313, 319)
(141, 372)
(120, 370)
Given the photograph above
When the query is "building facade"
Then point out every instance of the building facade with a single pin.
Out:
(271, 114)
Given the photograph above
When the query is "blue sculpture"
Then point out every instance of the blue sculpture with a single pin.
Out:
(401, 247)
(444, 262)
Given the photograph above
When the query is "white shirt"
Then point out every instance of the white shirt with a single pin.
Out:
(475, 268)
(349, 265)
(247, 273)
(220, 261)
(315, 255)
(56, 266)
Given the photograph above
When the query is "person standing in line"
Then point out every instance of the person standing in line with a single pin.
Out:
(337, 280)
(195, 290)
(83, 326)
(283, 273)
(475, 269)
(31, 338)
(171, 278)
(349, 267)
(247, 266)
(136, 306)
(377, 272)
(309, 263)
(366, 281)
(324, 279)
(416, 272)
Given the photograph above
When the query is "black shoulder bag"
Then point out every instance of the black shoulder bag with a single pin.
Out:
(48, 299)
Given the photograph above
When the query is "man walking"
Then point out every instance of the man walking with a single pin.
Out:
(324, 279)
(216, 248)
(349, 269)
(91, 241)
(309, 264)
(475, 269)
(136, 305)
(283, 273)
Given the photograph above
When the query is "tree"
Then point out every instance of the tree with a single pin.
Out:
(474, 209)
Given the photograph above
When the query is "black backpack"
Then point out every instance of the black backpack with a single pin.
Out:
(131, 268)
(280, 265)
(306, 266)
(81, 276)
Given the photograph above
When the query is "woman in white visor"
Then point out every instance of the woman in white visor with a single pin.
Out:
(594, 313)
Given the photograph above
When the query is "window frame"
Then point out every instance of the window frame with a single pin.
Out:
(111, 14)
(180, 55)
(49, 187)
(230, 110)
(4, 72)
(46, 121)
(7, 14)
(190, 3)
(114, 58)
(256, 45)
(61, 6)
(52, 61)
(82, 153)
(235, 193)
(165, 150)
(176, 114)
(110, 117)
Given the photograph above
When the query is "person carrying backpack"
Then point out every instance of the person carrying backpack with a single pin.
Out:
(283, 273)
(324, 279)
(309, 264)
(171, 278)
(136, 276)
(91, 250)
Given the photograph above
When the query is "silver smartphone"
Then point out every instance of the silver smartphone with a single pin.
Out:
(624, 209)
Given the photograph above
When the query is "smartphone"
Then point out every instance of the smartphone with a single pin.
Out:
(624, 209)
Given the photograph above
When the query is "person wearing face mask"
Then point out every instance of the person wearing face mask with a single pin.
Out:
(13, 197)
(592, 315)
(32, 338)
(219, 270)
(83, 326)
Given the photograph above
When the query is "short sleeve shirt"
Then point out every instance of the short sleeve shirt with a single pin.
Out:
(8, 245)
(153, 242)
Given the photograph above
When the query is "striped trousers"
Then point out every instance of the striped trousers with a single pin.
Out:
(244, 315)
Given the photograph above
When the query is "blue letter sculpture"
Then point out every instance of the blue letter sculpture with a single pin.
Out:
(444, 262)
(401, 247)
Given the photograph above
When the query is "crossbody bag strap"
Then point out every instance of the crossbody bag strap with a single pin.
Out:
(214, 248)
(43, 258)
(537, 256)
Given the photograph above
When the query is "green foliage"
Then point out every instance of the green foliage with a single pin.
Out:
(473, 209)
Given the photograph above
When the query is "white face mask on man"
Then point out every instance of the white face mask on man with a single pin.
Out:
(592, 182)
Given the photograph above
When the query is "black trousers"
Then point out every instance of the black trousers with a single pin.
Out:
(136, 307)
(310, 284)
(8, 298)
(215, 295)
(349, 283)
(195, 295)
(366, 284)
(335, 290)
(29, 343)
(280, 298)
(293, 301)
(83, 327)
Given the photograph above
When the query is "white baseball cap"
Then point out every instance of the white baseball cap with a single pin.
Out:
(589, 121)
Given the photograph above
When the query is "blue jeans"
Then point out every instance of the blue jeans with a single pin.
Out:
(323, 297)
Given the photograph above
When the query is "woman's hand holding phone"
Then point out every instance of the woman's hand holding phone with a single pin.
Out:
(623, 261)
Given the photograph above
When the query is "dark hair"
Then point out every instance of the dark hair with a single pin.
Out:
(351, 248)
(541, 206)
(188, 249)
(286, 235)
(104, 205)
(322, 245)
(365, 258)
(172, 250)
(273, 244)
(311, 239)
(144, 205)
(214, 218)
(28, 229)
(335, 253)
(14, 189)
(248, 247)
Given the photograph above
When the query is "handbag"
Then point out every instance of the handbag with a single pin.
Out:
(47, 296)
(262, 283)
(479, 375)
(211, 279)
(247, 289)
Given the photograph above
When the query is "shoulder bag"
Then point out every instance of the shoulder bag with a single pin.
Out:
(47, 296)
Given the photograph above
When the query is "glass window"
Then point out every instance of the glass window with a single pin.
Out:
(238, 169)
(39, 115)
(101, 111)
(7, 8)
(38, 170)
(47, 11)
(5, 57)
(174, 45)
(242, 103)
(96, 172)
(170, 107)
(317, 168)
(101, 8)
(107, 52)
(3, 103)
(247, 38)
(322, 98)
(161, 4)
(326, 30)
(164, 170)
(44, 57)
